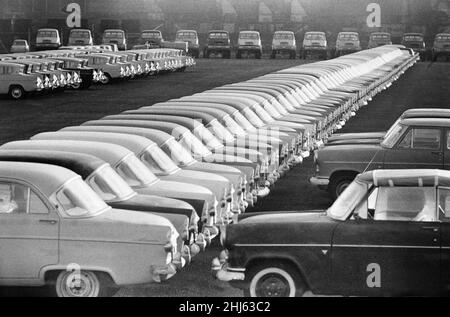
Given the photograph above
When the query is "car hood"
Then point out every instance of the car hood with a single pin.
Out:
(349, 153)
(118, 226)
(282, 228)
(357, 136)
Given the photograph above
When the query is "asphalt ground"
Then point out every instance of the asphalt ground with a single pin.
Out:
(425, 85)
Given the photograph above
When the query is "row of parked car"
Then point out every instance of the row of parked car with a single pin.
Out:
(132, 198)
(78, 67)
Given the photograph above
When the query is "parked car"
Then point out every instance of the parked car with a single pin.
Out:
(48, 39)
(50, 214)
(384, 236)
(249, 42)
(79, 37)
(379, 39)
(347, 43)
(109, 186)
(416, 42)
(417, 140)
(20, 46)
(87, 74)
(117, 37)
(152, 37)
(441, 46)
(191, 37)
(218, 43)
(315, 44)
(284, 43)
(108, 65)
(16, 82)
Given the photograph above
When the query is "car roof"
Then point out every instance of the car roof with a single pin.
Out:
(413, 34)
(426, 113)
(407, 178)
(47, 178)
(47, 29)
(168, 127)
(181, 120)
(437, 122)
(82, 164)
(111, 153)
(344, 32)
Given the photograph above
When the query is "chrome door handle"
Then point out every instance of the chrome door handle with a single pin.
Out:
(434, 229)
(51, 222)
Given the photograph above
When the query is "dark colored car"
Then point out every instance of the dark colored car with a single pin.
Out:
(80, 66)
(388, 234)
(218, 42)
(416, 42)
(441, 46)
(419, 139)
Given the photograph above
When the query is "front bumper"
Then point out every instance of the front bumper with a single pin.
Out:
(319, 181)
(221, 271)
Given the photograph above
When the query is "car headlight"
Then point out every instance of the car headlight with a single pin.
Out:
(223, 235)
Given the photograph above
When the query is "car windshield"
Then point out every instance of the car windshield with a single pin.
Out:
(443, 38)
(380, 37)
(393, 135)
(79, 200)
(158, 161)
(218, 35)
(315, 37)
(110, 186)
(189, 141)
(151, 35)
(178, 153)
(47, 34)
(413, 38)
(283, 36)
(348, 37)
(135, 173)
(80, 34)
(113, 35)
(20, 42)
(348, 200)
(249, 36)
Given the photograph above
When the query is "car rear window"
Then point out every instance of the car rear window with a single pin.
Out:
(186, 35)
(380, 37)
(80, 34)
(315, 36)
(442, 38)
(411, 38)
(283, 36)
(218, 35)
(249, 36)
(114, 34)
(348, 37)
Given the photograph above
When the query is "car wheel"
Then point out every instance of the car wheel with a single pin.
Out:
(84, 284)
(106, 79)
(16, 92)
(274, 280)
(339, 184)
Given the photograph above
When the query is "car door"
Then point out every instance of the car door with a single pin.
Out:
(420, 147)
(444, 216)
(29, 232)
(397, 252)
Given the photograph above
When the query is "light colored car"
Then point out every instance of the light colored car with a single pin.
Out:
(20, 46)
(109, 186)
(284, 43)
(249, 42)
(315, 43)
(152, 37)
(347, 43)
(48, 214)
(79, 37)
(115, 37)
(48, 39)
(379, 39)
(441, 46)
(191, 37)
(108, 65)
(135, 173)
(16, 81)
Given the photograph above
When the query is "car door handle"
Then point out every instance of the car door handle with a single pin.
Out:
(434, 229)
(51, 222)
(436, 153)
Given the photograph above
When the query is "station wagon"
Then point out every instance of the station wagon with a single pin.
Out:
(249, 42)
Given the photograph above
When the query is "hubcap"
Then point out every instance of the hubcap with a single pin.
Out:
(79, 285)
(273, 285)
(16, 93)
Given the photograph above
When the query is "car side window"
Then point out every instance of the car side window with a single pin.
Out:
(20, 199)
(421, 139)
(444, 204)
(448, 140)
(406, 204)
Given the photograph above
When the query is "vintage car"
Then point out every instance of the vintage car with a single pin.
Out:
(108, 65)
(20, 46)
(16, 83)
(441, 46)
(117, 37)
(171, 148)
(135, 173)
(157, 161)
(80, 37)
(218, 42)
(417, 140)
(347, 43)
(249, 43)
(48, 39)
(386, 235)
(416, 42)
(48, 214)
(152, 37)
(109, 186)
(379, 39)
(191, 37)
(315, 44)
(284, 43)
(87, 74)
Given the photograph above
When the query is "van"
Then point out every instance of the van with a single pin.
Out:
(249, 42)
(283, 42)
(80, 37)
(315, 43)
(47, 39)
(191, 37)
(117, 37)
(152, 38)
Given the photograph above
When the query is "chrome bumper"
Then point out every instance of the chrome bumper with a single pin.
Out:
(221, 272)
(316, 181)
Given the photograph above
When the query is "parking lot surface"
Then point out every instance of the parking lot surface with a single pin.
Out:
(425, 85)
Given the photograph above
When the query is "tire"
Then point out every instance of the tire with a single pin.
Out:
(91, 284)
(339, 184)
(274, 279)
(16, 92)
(107, 79)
